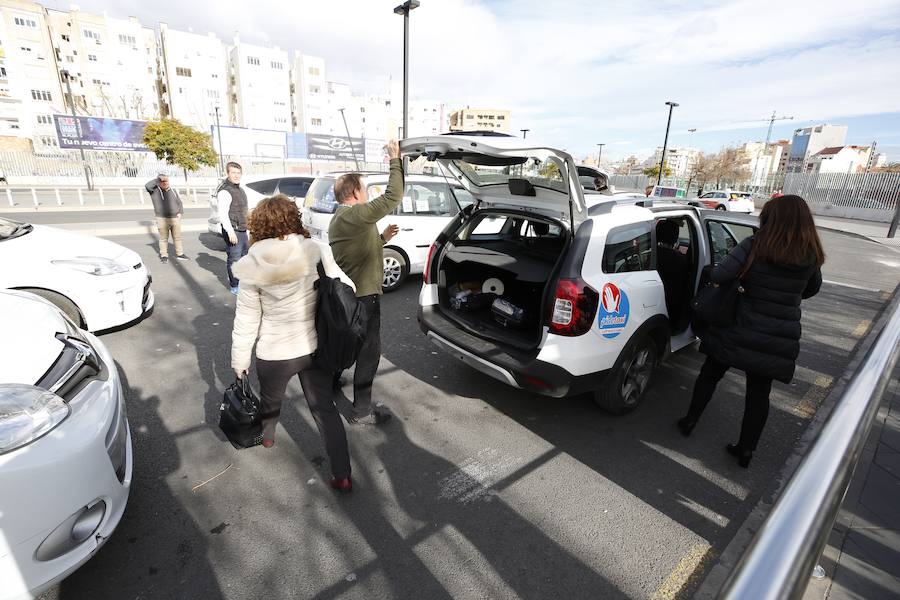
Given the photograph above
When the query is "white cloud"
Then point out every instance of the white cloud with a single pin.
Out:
(579, 71)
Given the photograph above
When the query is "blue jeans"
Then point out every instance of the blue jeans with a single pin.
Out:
(235, 252)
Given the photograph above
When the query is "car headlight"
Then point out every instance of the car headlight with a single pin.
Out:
(26, 414)
(93, 265)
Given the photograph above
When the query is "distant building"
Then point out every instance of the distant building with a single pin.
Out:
(763, 162)
(784, 156)
(193, 78)
(679, 160)
(308, 94)
(260, 86)
(840, 159)
(480, 119)
(810, 140)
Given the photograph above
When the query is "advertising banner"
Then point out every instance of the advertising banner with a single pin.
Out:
(99, 133)
(375, 151)
(328, 147)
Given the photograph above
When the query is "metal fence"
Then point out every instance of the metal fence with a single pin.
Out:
(872, 191)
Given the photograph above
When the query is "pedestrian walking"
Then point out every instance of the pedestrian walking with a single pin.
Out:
(276, 311)
(168, 208)
(233, 211)
(777, 267)
(359, 250)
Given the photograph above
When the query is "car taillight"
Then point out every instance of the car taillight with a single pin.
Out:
(574, 308)
(427, 275)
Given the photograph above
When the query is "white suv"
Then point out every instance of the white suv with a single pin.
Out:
(538, 288)
(263, 186)
(429, 203)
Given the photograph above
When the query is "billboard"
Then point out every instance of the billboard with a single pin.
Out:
(99, 133)
(329, 147)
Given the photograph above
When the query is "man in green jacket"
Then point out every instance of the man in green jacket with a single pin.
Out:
(358, 249)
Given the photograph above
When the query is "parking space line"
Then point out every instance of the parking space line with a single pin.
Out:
(690, 562)
(809, 403)
(851, 286)
(862, 328)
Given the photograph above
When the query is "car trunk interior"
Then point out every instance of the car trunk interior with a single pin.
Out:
(494, 274)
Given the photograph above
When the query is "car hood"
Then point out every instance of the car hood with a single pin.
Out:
(566, 201)
(50, 243)
(29, 326)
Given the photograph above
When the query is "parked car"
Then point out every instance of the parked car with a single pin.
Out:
(726, 200)
(65, 446)
(535, 288)
(263, 186)
(429, 203)
(98, 284)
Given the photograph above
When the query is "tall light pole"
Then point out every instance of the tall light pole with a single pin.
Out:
(524, 133)
(219, 135)
(404, 9)
(87, 176)
(662, 161)
(599, 154)
(349, 141)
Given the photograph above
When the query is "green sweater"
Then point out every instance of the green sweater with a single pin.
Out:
(355, 240)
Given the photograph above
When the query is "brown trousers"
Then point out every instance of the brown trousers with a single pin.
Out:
(165, 225)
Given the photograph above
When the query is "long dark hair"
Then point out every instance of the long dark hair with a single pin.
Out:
(787, 234)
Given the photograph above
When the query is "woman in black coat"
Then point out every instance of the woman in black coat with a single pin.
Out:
(777, 267)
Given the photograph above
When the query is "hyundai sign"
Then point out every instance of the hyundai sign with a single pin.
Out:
(100, 133)
(328, 147)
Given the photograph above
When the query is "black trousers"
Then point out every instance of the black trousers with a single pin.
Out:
(369, 357)
(274, 376)
(756, 400)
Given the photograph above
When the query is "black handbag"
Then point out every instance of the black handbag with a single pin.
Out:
(239, 417)
(716, 305)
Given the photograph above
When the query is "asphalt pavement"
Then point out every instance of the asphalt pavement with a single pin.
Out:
(473, 490)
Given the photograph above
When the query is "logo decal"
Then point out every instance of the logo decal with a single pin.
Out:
(614, 311)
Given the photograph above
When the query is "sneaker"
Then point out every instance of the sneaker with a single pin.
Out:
(182, 257)
(235, 290)
(163, 259)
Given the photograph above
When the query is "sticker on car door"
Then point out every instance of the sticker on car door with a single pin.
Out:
(614, 311)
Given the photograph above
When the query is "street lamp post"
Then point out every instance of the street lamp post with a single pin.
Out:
(349, 141)
(87, 175)
(404, 9)
(662, 161)
(219, 135)
(599, 154)
(524, 133)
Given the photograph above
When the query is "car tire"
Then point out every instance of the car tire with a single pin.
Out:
(722, 207)
(630, 377)
(61, 302)
(396, 269)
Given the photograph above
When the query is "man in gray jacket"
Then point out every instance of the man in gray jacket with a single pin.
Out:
(168, 209)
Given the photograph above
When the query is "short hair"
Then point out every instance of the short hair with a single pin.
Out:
(233, 165)
(667, 232)
(346, 185)
(162, 175)
(275, 217)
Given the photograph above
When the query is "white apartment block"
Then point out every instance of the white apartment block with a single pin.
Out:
(427, 118)
(260, 85)
(679, 160)
(111, 63)
(762, 162)
(810, 140)
(308, 93)
(840, 159)
(480, 119)
(194, 68)
(30, 91)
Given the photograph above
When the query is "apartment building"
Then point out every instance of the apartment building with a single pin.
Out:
(260, 86)
(810, 140)
(308, 93)
(480, 119)
(194, 78)
(840, 159)
(30, 91)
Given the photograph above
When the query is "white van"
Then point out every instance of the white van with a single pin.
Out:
(429, 203)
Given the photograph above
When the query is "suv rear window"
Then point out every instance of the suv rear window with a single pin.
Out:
(265, 187)
(320, 198)
(627, 249)
(295, 187)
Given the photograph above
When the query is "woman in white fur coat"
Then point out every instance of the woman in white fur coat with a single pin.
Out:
(276, 310)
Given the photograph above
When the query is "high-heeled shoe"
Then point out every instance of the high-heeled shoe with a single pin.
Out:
(344, 484)
(686, 425)
(743, 455)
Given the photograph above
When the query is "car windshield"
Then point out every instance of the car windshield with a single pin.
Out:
(13, 229)
(543, 174)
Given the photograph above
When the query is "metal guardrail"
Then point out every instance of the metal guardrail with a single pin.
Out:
(781, 557)
(103, 195)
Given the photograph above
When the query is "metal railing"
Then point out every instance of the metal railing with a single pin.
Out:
(781, 557)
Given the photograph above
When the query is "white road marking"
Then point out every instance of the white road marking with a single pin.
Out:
(851, 286)
(476, 475)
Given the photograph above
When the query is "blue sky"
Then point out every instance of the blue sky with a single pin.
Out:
(579, 72)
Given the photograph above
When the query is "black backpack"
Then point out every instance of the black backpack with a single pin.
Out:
(341, 322)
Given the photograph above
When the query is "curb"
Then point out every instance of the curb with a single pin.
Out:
(735, 549)
(88, 208)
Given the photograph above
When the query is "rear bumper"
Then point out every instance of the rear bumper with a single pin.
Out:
(519, 370)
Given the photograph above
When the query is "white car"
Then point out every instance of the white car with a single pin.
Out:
(263, 186)
(429, 203)
(535, 288)
(97, 283)
(65, 446)
(726, 200)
